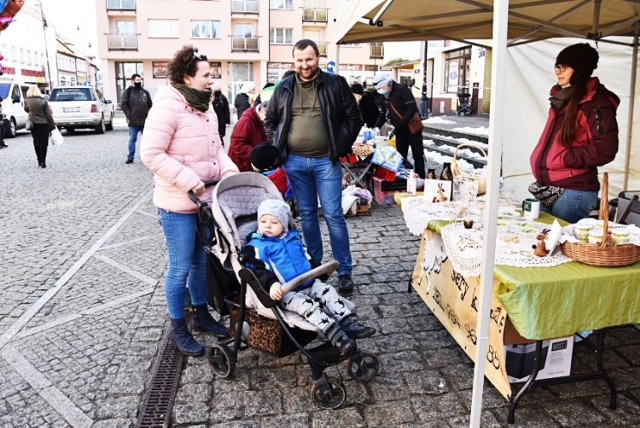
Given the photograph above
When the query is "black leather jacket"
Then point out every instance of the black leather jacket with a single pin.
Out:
(339, 110)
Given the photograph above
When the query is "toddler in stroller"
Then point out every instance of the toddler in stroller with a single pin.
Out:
(277, 255)
(257, 320)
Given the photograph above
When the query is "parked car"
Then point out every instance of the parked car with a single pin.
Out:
(76, 107)
(12, 94)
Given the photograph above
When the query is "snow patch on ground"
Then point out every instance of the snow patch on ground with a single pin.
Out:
(438, 120)
(481, 130)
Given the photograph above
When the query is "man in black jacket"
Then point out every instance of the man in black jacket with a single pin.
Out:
(135, 104)
(399, 106)
(313, 120)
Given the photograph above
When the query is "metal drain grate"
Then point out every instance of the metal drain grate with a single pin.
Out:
(158, 402)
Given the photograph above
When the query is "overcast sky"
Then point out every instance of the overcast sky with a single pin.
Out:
(75, 19)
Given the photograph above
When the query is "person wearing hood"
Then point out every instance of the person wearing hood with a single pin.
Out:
(246, 134)
(182, 147)
(135, 104)
(243, 101)
(580, 135)
(221, 107)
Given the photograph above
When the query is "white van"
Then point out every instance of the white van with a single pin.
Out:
(12, 94)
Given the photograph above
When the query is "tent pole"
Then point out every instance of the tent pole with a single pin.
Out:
(632, 93)
(490, 215)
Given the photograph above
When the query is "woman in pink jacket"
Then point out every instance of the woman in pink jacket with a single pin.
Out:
(182, 147)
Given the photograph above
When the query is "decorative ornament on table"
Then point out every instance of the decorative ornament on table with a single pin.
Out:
(540, 247)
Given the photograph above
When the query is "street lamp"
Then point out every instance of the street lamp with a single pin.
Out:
(424, 108)
(46, 49)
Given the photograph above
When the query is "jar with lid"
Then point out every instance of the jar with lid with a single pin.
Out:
(620, 235)
(595, 236)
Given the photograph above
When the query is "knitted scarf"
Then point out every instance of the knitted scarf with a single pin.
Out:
(198, 99)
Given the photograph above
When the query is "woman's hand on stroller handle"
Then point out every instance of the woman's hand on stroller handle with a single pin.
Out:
(199, 189)
(275, 291)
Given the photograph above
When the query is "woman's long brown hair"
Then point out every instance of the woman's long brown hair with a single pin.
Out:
(567, 130)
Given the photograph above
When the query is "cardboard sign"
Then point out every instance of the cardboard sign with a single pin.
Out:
(437, 190)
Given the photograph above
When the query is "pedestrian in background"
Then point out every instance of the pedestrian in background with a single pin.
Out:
(2, 126)
(243, 99)
(40, 114)
(580, 135)
(367, 105)
(313, 120)
(246, 134)
(182, 147)
(398, 107)
(135, 104)
(221, 107)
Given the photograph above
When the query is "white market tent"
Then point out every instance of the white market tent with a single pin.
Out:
(520, 81)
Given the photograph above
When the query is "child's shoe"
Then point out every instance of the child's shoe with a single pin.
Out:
(354, 329)
(343, 343)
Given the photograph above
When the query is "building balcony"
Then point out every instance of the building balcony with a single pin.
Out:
(315, 15)
(121, 5)
(245, 44)
(123, 42)
(245, 6)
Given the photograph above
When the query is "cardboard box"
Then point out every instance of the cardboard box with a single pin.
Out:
(555, 361)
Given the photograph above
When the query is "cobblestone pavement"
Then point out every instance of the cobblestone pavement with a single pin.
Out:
(82, 316)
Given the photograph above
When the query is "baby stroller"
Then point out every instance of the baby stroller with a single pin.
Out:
(256, 320)
(464, 103)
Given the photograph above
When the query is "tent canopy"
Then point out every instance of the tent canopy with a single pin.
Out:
(529, 20)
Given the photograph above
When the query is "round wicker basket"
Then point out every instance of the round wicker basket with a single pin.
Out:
(603, 254)
(456, 170)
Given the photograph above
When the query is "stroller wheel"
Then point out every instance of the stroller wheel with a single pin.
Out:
(222, 360)
(328, 393)
(364, 367)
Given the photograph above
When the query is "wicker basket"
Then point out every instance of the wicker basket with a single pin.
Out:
(456, 170)
(602, 254)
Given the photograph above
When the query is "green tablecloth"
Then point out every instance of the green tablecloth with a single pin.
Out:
(548, 302)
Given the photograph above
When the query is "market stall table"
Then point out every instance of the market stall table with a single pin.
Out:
(528, 304)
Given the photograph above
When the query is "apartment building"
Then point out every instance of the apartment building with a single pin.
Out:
(244, 40)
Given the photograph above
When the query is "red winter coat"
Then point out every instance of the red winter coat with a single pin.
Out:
(246, 134)
(595, 143)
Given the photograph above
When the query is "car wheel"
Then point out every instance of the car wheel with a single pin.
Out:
(70, 130)
(101, 128)
(109, 125)
(10, 128)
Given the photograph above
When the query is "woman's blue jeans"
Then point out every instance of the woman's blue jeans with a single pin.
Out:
(187, 259)
(311, 178)
(574, 205)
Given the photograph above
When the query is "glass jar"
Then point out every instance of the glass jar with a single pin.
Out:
(595, 236)
(582, 231)
(620, 235)
(446, 173)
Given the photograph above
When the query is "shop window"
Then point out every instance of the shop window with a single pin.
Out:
(457, 70)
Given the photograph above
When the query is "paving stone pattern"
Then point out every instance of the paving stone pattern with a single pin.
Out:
(82, 317)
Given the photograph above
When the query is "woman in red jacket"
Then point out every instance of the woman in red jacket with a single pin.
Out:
(581, 134)
(246, 134)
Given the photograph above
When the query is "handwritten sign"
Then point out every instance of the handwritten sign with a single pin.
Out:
(453, 299)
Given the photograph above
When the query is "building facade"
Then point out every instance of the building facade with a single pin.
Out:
(244, 40)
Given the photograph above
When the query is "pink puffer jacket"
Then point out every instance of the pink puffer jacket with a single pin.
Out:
(182, 147)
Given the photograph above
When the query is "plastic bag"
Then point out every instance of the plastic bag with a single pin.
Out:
(387, 157)
(55, 138)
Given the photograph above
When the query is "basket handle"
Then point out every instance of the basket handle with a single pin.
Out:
(455, 169)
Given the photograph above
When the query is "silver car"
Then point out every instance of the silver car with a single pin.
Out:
(76, 107)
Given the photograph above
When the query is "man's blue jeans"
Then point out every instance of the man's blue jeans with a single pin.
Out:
(187, 259)
(574, 205)
(311, 178)
(133, 137)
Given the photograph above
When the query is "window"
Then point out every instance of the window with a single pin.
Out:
(241, 71)
(457, 70)
(205, 29)
(125, 27)
(377, 50)
(281, 4)
(124, 70)
(163, 28)
(281, 36)
(245, 6)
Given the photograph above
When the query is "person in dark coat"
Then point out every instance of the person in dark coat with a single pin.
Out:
(135, 104)
(40, 114)
(243, 101)
(247, 133)
(367, 105)
(221, 107)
